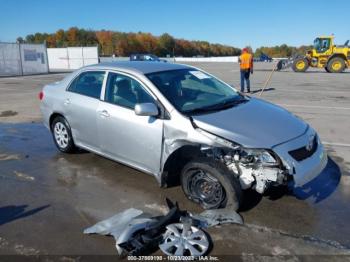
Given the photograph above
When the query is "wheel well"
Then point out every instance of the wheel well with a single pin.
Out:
(337, 55)
(175, 162)
(53, 116)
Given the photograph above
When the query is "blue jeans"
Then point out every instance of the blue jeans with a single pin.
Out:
(245, 78)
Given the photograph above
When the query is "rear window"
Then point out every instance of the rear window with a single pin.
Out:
(88, 84)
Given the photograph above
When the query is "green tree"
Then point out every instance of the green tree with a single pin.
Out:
(60, 38)
(166, 44)
(29, 39)
(20, 40)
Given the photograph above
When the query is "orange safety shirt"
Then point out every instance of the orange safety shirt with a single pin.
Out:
(246, 61)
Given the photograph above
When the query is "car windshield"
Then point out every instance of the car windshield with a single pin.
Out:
(194, 92)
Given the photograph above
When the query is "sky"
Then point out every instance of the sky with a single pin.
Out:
(236, 23)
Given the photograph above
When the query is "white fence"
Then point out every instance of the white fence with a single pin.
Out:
(70, 58)
(230, 59)
(23, 59)
(109, 59)
(26, 59)
(34, 59)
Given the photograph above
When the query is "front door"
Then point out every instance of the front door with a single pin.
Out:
(125, 136)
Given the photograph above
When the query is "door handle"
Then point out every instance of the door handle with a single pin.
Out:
(67, 101)
(104, 113)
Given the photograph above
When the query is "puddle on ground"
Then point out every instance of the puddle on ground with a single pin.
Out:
(8, 113)
(99, 187)
(23, 176)
(6, 157)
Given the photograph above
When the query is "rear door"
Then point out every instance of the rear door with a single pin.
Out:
(81, 103)
(125, 136)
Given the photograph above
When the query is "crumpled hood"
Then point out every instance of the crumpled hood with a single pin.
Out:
(254, 124)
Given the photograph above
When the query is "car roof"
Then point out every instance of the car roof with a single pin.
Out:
(143, 67)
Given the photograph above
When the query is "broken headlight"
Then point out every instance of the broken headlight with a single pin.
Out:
(246, 156)
(258, 156)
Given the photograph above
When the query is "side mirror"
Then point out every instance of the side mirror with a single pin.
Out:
(146, 109)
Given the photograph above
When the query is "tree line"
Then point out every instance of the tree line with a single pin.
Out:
(282, 51)
(124, 44)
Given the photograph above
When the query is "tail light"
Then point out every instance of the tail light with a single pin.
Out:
(41, 95)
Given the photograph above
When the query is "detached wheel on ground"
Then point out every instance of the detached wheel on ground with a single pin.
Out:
(62, 135)
(209, 183)
(336, 65)
(300, 64)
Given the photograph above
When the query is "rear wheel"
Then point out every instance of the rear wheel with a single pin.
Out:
(210, 184)
(62, 135)
(300, 65)
(336, 65)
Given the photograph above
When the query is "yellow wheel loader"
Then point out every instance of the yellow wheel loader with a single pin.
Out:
(334, 59)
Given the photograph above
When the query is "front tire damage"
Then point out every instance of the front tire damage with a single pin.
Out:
(218, 177)
(210, 184)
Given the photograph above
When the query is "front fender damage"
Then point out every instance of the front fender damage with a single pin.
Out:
(175, 139)
(250, 175)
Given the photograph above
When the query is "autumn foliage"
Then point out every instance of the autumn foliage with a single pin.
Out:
(124, 44)
(282, 50)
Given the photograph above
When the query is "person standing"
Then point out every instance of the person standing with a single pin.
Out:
(246, 68)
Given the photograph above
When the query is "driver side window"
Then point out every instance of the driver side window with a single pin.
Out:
(124, 91)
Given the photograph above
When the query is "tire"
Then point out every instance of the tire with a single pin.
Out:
(326, 69)
(62, 135)
(336, 65)
(300, 64)
(201, 173)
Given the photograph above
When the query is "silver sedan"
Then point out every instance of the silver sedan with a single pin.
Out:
(183, 126)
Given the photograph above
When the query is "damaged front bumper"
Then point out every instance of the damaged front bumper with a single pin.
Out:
(300, 159)
(304, 157)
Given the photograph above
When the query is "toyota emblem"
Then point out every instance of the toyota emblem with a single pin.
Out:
(310, 143)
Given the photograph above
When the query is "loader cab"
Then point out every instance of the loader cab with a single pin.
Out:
(322, 44)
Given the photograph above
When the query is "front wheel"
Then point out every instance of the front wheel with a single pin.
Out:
(300, 64)
(208, 183)
(62, 135)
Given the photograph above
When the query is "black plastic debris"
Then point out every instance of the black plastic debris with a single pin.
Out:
(178, 232)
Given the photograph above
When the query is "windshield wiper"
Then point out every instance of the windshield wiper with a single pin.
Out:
(227, 103)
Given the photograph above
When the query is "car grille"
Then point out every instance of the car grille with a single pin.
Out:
(302, 153)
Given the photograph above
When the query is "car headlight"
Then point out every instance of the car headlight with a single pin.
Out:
(244, 155)
(258, 156)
